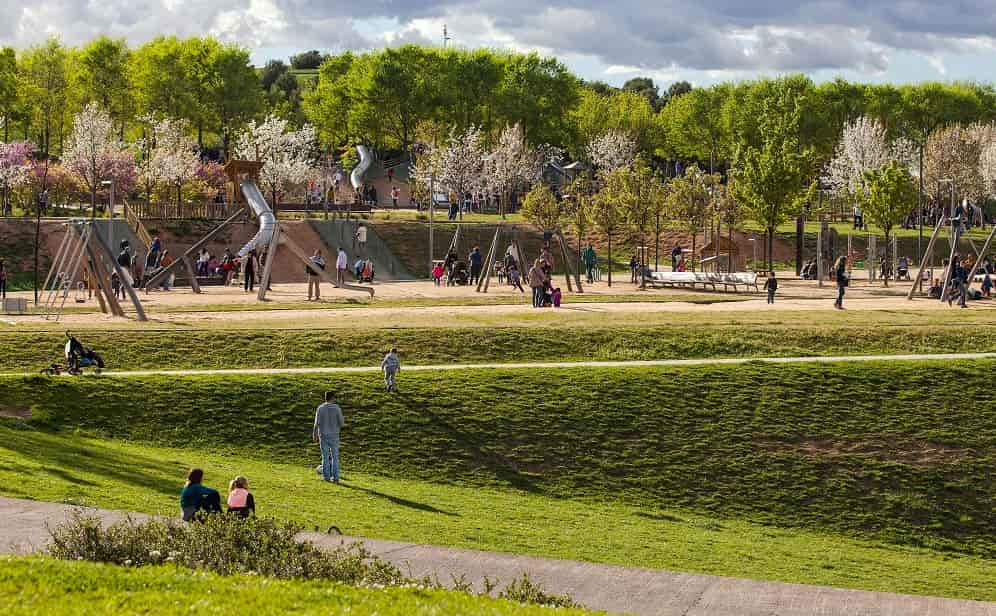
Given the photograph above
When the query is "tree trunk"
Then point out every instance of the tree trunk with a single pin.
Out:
(610, 259)
(771, 248)
(691, 260)
(885, 275)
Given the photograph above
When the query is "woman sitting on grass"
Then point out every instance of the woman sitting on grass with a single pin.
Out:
(197, 497)
(240, 500)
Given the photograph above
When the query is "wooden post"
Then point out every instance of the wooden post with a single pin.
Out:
(927, 256)
(271, 255)
(978, 261)
(949, 270)
(871, 257)
(570, 271)
(194, 285)
(819, 256)
(114, 265)
(162, 273)
(485, 282)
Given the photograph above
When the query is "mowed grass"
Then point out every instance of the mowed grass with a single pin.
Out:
(899, 451)
(72, 468)
(308, 347)
(31, 586)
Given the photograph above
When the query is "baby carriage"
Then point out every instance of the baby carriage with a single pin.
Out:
(77, 358)
(460, 275)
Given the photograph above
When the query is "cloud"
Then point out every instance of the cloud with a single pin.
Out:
(731, 36)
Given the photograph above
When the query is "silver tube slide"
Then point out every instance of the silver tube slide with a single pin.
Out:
(366, 159)
(267, 221)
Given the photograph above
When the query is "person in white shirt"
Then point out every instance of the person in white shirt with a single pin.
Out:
(361, 238)
(341, 263)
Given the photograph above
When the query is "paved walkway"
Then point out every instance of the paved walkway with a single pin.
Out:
(734, 361)
(647, 592)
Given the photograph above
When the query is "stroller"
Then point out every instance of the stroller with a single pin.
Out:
(459, 275)
(77, 358)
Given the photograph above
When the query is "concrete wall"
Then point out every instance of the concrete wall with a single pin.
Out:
(341, 233)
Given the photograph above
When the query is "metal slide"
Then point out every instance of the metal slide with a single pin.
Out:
(366, 159)
(267, 221)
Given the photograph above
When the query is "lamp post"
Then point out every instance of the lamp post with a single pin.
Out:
(753, 245)
(110, 211)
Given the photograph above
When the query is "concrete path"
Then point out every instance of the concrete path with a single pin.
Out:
(734, 361)
(647, 592)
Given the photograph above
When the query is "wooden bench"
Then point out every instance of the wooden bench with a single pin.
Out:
(15, 304)
(706, 279)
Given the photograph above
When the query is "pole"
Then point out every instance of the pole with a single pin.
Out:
(657, 244)
(110, 215)
(432, 182)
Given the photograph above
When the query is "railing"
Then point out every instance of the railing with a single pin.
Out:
(183, 211)
(135, 223)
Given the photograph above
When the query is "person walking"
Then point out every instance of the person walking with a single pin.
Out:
(395, 195)
(328, 425)
(318, 261)
(590, 262)
(537, 282)
(676, 253)
(840, 274)
(249, 272)
(476, 264)
(959, 283)
(391, 366)
(361, 239)
(771, 285)
(3, 279)
(341, 264)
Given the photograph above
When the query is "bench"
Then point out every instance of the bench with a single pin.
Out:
(706, 279)
(15, 304)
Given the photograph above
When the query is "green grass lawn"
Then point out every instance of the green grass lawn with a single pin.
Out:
(31, 586)
(320, 346)
(69, 467)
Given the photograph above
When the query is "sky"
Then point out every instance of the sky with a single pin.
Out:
(702, 41)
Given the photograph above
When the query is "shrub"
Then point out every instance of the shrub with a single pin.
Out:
(231, 545)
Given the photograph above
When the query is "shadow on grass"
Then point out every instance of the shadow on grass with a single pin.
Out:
(402, 502)
(59, 455)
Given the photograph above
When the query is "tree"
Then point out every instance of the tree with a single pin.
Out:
(15, 170)
(102, 74)
(622, 111)
(45, 70)
(307, 60)
(953, 152)
(645, 200)
(172, 158)
(612, 151)
(328, 103)
(863, 147)
(690, 201)
(676, 89)
(162, 84)
(695, 126)
(287, 155)
(606, 212)
(232, 88)
(462, 163)
(645, 87)
(9, 91)
(542, 209)
(891, 195)
(93, 151)
(511, 164)
(577, 208)
(770, 179)
(536, 92)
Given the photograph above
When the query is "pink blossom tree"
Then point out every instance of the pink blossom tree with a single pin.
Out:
(15, 170)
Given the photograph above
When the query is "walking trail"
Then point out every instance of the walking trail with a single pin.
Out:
(633, 590)
(734, 361)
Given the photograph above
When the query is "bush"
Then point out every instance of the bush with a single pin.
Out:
(230, 545)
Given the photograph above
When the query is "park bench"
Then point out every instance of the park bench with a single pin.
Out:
(706, 279)
(15, 304)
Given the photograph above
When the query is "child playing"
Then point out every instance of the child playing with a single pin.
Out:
(555, 297)
(391, 367)
(116, 286)
(771, 285)
(437, 274)
(240, 500)
(987, 285)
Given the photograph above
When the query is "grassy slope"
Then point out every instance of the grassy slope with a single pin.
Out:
(31, 586)
(270, 348)
(67, 467)
(891, 451)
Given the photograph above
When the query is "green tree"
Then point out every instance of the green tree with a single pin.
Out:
(162, 83)
(542, 209)
(695, 125)
(9, 90)
(537, 93)
(46, 81)
(607, 211)
(102, 75)
(271, 72)
(645, 88)
(630, 113)
(690, 201)
(770, 179)
(232, 87)
(890, 196)
(307, 60)
(328, 104)
(577, 209)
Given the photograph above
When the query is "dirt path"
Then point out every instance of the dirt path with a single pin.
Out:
(633, 590)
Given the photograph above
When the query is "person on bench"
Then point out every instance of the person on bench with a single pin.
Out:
(198, 497)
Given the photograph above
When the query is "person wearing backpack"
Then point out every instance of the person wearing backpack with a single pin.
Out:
(313, 281)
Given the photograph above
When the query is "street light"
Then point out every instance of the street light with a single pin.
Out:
(753, 244)
(110, 211)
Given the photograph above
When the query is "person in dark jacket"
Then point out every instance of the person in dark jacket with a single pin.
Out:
(840, 275)
(959, 283)
(198, 497)
(771, 285)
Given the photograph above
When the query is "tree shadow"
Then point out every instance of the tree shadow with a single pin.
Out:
(402, 502)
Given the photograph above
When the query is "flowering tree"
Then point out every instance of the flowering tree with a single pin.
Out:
(954, 153)
(94, 151)
(170, 155)
(287, 155)
(513, 164)
(424, 172)
(611, 151)
(863, 147)
(15, 170)
(461, 164)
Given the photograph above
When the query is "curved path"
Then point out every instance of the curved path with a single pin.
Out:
(580, 364)
(633, 590)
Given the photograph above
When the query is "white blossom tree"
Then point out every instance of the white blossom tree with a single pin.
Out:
(863, 147)
(954, 153)
(512, 164)
(171, 157)
(613, 150)
(288, 156)
(93, 149)
(461, 163)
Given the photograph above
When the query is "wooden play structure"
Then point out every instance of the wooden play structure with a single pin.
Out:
(727, 259)
(955, 235)
(83, 254)
(515, 247)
